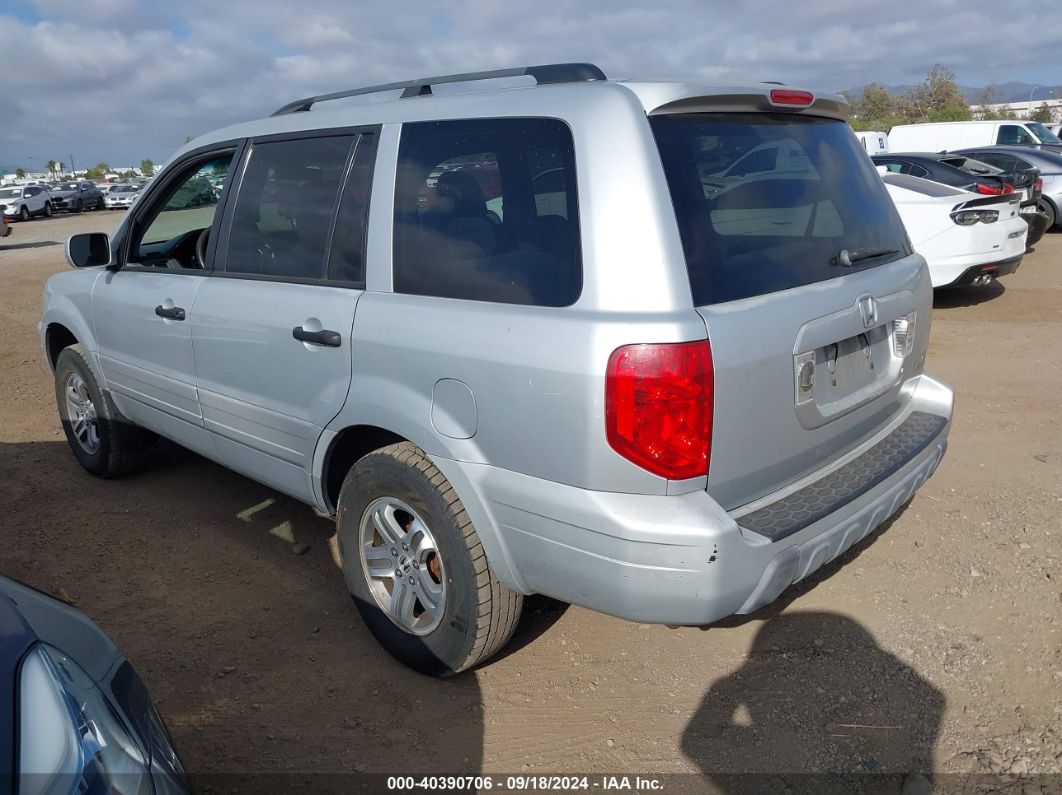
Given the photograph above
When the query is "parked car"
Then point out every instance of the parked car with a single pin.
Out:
(77, 196)
(966, 238)
(25, 202)
(1047, 161)
(875, 142)
(667, 397)
(75, 717)
(966, 173)
(946, 136)
(120, 197)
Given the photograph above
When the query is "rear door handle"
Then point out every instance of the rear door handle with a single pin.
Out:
(331, 339)
(170, 313)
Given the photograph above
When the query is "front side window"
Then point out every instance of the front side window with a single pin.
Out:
(178, 217)
(767, 201)
(486, 210)
(285, 207)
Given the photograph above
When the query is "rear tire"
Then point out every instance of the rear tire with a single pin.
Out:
(1048, 209)
(473, 615)
(103, 442)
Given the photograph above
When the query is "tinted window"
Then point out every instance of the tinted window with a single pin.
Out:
(178, 217)
(346, 264)
(486, 210)
(1013, 134)
(284, 209)
(749, 232)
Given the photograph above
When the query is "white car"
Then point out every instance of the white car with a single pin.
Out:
(966, 238)
(120, 197)
(25, 201)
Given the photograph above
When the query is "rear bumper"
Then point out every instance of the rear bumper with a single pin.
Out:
(682, 559)
(977, 273)
(995, 244)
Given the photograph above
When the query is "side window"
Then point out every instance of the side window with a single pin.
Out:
(285, 205)
(1014, 134)
(346, 263)
(893, 167)
(916, 170)
(179, 216)
(486, 210)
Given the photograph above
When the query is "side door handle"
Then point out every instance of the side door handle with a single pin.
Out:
(170, 312)
(330, 339)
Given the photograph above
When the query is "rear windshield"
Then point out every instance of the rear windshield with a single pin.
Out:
(768, 202)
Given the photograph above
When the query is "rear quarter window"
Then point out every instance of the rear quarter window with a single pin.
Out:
(486, 210)
(767, 201)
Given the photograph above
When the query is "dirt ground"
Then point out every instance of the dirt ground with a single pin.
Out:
(934, 645)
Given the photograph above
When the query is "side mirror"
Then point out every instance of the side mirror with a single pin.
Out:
(89, 249)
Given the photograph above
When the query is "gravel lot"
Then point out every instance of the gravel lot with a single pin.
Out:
(936, 647)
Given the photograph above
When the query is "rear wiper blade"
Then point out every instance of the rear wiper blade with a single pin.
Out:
(846, 258)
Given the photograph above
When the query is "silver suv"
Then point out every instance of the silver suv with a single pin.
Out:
(651, 348)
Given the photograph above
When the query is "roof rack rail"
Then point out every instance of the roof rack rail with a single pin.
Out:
(543, 74)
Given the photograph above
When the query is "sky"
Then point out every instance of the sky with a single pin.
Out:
(122, 80)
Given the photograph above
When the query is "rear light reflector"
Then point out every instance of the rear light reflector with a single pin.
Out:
(1038, 186)
(658, 407)
(787, 96)
(903, 334)
(991, 190)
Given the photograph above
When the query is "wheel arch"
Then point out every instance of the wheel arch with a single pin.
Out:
(57, 337)
(340, 449)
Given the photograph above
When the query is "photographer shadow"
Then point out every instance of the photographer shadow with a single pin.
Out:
(818, 706)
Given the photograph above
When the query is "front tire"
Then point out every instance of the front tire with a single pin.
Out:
(415, 566)
(47, 209)
(24, 213)
(103, 442)
(100, 204)
(78, 206)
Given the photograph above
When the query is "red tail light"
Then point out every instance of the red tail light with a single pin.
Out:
(658, 407)
(1008, 189)
(991, 190)
(1038, 186)
(787, 96)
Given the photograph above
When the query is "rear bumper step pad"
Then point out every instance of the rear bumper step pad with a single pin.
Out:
(819, 499)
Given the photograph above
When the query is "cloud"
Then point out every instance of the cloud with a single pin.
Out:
(119, 80)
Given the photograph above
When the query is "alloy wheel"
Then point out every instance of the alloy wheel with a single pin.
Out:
(402, 565)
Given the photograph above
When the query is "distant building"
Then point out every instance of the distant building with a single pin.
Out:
(1023, 109)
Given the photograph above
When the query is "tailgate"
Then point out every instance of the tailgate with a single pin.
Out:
(770, 427)
(805, 279)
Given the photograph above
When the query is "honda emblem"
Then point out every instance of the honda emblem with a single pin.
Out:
(868, 308)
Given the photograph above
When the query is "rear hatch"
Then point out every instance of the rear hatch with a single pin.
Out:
(799, 266)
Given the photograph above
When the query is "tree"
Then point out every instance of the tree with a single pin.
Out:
(98, 171)
(20, 173)
(987, 97)
(937, 98)
(874, 109)
(51, 166)
(147, 168)
(1042, 113)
